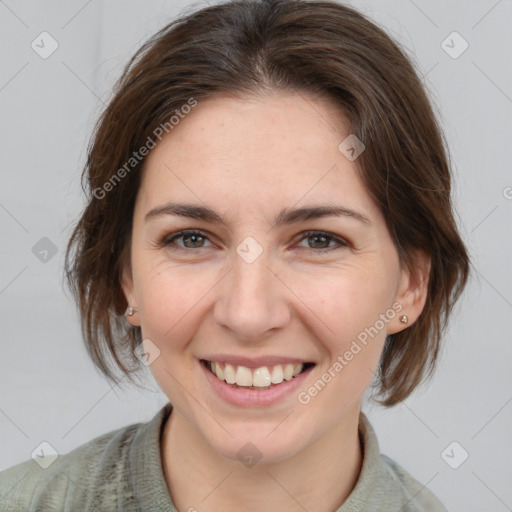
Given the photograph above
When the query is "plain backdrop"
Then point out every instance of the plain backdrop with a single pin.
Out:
(49, 389)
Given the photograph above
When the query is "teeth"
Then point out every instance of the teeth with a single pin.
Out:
(288, 371)
(229, 374)
(277, 375)
(218, 370)
(261, 377)
(243, 376)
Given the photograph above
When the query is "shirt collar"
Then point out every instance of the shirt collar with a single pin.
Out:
(150, 487)
(375, 486)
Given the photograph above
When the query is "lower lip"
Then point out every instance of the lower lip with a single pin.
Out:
(254, 397)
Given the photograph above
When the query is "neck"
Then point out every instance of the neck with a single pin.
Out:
(318, 478)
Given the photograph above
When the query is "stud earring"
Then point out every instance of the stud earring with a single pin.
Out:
(404, 319)
(129, 311)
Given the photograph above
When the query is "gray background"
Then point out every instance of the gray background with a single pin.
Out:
(49, 389)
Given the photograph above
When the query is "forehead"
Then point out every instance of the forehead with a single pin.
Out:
(238, 151)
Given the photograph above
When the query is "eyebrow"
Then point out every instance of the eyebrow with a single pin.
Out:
(285, 216)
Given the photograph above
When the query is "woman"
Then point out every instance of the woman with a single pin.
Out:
(268, 228)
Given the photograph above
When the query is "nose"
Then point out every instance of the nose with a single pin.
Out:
(253, 301)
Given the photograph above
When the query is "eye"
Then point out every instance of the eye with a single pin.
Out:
(191, 239)
(322, 239)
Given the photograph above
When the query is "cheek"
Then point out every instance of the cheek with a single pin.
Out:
(169, 298)
(170, 306)
(349, 301)
(353, 309)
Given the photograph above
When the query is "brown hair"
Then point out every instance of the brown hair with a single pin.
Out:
(242, 47)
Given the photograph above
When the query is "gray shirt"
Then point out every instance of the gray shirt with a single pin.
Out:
(122, 471)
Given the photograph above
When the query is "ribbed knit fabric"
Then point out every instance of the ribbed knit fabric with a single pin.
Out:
(122, 471)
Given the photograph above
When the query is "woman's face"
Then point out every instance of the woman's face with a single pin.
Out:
(257, 290)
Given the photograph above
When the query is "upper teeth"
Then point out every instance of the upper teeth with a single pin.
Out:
(259, 377)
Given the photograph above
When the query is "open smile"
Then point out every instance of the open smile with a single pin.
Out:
(255, 378)
(263, 385)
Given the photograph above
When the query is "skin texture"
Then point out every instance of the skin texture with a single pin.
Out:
(305, 298)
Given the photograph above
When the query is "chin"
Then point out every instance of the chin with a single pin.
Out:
(257, 446)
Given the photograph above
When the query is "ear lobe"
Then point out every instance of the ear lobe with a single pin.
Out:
(128, 291)
(412, 292)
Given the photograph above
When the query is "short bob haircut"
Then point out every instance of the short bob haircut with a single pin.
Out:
(247, 47)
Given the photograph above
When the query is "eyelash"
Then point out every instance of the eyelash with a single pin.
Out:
(169, 240)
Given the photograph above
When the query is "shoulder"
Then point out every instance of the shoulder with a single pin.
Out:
(74, 479)
(416, 495)
(385, 485)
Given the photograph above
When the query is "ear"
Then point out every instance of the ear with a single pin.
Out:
(129, 293)
(412, 292)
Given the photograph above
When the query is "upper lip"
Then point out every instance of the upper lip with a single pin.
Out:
(255, 362)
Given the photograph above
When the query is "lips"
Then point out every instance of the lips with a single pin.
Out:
(253, 396)
(255, 377)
